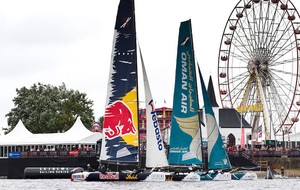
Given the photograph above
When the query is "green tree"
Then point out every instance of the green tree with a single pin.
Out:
(48, 109)
(101, 120)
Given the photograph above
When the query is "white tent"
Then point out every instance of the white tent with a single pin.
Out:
(292, 137)
(18, 134)
(77, 134)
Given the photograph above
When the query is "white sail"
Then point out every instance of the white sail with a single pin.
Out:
(155, 150)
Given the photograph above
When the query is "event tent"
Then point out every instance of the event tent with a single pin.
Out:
(77, 134)
(18, 134)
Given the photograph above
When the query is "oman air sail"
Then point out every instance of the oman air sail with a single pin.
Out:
(185, 138)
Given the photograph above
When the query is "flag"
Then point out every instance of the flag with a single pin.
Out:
(243, 138)
(259, 131)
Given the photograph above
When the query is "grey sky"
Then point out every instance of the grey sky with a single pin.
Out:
(70, 41)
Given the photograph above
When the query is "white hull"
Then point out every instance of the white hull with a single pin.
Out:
(244, 176)
(226, 176)
(215, 176)
(158, 176)
(80, 176)
(192, 177)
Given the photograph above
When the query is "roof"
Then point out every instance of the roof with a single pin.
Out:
(19, 133)
(211, 93)
(230, 118)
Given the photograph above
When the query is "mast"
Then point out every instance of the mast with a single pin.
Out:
(120, 141)
(185, 142)
(155, 150)
(217, 156)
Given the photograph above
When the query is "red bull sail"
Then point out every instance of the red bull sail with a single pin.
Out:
(120, 130)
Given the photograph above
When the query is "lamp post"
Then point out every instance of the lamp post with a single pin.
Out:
(283, 145)
(284, 131)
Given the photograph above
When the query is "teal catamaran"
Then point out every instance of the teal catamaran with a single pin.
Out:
(186, 137)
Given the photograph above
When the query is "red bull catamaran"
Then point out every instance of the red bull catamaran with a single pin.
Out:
(119, 157)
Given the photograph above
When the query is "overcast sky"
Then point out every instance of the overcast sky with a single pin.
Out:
(70, 41)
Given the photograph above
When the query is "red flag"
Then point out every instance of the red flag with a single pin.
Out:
(259, 131)
(243, 138)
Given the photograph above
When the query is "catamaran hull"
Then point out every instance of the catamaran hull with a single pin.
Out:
(215, 176)
(186, 177)
(244, 176)
(124, 176)
(109, 176)
(159, 176)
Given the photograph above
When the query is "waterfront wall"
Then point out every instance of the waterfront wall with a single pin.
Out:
(14, 168)
(278, 162)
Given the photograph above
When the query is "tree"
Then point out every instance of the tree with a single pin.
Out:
(49, 109)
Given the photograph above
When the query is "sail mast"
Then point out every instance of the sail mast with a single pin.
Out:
(120, 141)
(185, 141)
(217, 156)
(155, 150)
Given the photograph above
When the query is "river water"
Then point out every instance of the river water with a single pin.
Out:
(66, 184)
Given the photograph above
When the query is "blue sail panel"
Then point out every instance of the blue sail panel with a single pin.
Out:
(120, 130)
(185, 139)
(217, 156)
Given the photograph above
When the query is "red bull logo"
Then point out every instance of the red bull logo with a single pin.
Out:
(118, 120)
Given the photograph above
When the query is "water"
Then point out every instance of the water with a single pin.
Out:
(66, 184)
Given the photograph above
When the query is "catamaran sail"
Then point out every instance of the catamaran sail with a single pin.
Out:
(120, 144)
(217, 155)
(120, 141)
(155, 150)
(185, 139)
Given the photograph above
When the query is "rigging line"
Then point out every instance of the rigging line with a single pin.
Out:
(259, 22)
(277, 29)
(281, 55)
(271, 25)
(283, 112)
(266, 23)
(284, 86)
(240, 24)
(239, 57)
(273, 59)
(227, 82)
(254, 26)
(240, 43)
(249, 41)
(275, 45)
(250, 32)
(274, 30)
(287, 86)
(285, 72)
(274, 33)
(236, 96)
(278, 104)
(238, 77)
(283, 62)
(240, 80)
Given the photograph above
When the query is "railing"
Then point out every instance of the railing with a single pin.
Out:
(265, 153)
(72, 153)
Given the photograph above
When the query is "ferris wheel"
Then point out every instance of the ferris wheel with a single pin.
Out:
(258, 65)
